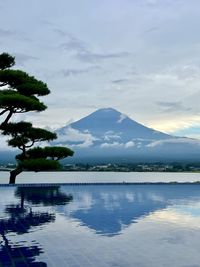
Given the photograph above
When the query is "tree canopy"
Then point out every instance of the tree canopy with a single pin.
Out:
(6, 61)
(19, 93)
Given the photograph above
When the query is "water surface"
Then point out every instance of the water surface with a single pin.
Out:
(104, 225)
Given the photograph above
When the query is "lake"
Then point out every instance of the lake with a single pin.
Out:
(100, 225)
(98, 177)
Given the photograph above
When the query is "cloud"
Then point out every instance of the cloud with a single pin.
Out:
(122, 117)
(142, 139)
(119, 81)
(169, 104)
(172, 106)
(83, 52)
(87, 56)
(72, 44)
(116, 144)
(75, 72)
(21, 58)
(112, 145)
(6, 33)
(129, 144)
(110, 135)
(153, 2)
(185, 71)
(174, 141)
(60, 32)
(152, 29)
(84, 139)
(192, 131)
(159, 3)
(14, 34)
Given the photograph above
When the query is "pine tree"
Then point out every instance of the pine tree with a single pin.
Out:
(20, 93)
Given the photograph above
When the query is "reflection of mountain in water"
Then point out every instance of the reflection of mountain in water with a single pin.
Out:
(21, 218)
(113, 208)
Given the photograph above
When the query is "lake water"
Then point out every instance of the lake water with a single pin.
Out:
(102, 225)
(98, 177)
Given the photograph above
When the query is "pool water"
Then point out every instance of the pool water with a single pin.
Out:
(103, 225)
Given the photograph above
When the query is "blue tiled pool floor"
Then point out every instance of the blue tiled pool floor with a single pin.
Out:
(97, 226)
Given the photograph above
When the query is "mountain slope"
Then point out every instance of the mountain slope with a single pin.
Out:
(105, 120)
(109, 133)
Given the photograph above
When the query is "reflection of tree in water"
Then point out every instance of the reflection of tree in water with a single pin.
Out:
(22, 219)
(47, 196)
(20, 256)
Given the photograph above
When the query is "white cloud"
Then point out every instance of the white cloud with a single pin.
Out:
(129, 144)
(70, 134)
(112, 145)
(121, 118)
(87, 143)
(174, 141)
(176, 123)
(110, 135)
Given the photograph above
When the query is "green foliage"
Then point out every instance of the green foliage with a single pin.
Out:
(11, 100)
(19, 94)
(57, 152)
(23, 83)
(12, 78)
(24, 135)
(39, 164)
(20, 91)
(19, 127)
(33, 153)
(18, 142)
(33, 87)
(6, 61)
(54, 153)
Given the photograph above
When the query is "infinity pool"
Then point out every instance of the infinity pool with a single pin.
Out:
(102, 225)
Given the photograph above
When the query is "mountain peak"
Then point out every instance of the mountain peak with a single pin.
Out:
(101, 117)
(106, 110)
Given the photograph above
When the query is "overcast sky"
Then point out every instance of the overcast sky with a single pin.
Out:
(141, 57)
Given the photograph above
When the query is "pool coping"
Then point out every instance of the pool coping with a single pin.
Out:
(98, 184)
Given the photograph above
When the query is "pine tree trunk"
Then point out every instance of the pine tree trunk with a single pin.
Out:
(13, 175)
(22, 201)
(5, 122)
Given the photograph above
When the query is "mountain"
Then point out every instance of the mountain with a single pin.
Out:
(108, 135)
(107, 120)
